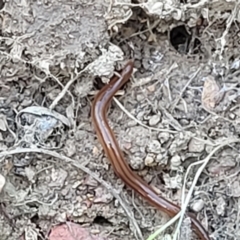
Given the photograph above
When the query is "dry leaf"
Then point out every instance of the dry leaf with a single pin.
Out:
(42, 111)
(211, 94)
(72, 231)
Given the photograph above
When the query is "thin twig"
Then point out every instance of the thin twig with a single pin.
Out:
(66, 87)
(139, 122)
(229, 22)
(184, 88)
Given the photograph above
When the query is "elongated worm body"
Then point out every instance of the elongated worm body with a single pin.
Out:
(115, 155)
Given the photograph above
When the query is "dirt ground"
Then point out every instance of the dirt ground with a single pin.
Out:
(177, 120)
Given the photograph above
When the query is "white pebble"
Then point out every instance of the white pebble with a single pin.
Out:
(198, 205)
(196, 145)
(154, 120)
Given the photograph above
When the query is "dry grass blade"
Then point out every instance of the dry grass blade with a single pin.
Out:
(139, 122)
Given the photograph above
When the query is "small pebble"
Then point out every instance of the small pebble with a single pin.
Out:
(154, 120)
(140, 97)
(175, 162)
(26, 102)
(70, 148)
(150, 160)
(154, 147)
(220, 206)
(232, 116)
(136, 163)
(198, 205)
(152, 88)
(234, 189)
(95, 151)
(209, 148)
(27, 93)
(30, 174)
(162, 159)
(184, 122)
(140, 115)
(195, 146)
(163, 137)
(132, 123)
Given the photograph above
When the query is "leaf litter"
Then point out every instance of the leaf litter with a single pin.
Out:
(50, 57)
